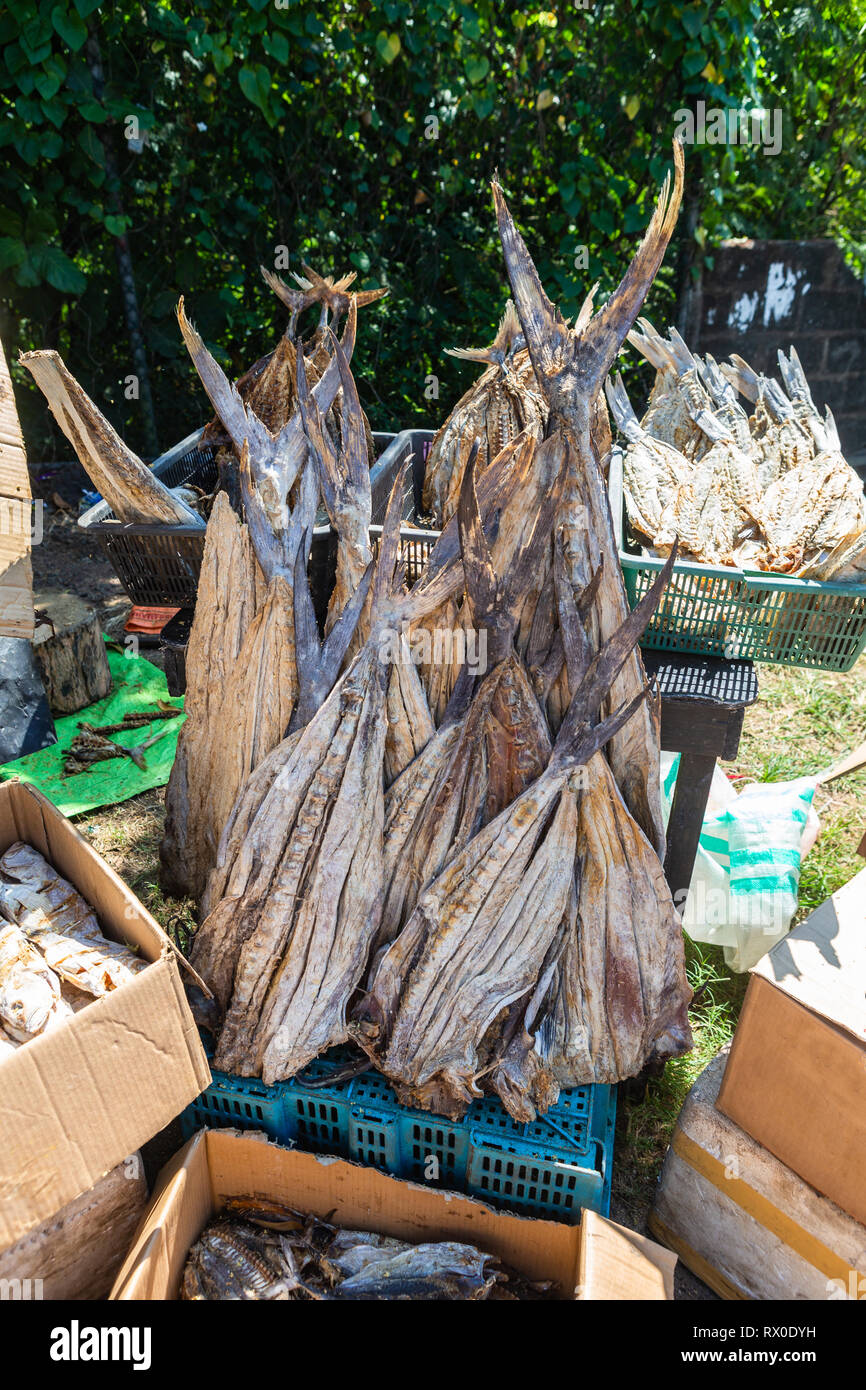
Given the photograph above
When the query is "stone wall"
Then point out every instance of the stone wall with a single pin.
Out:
(763, 295)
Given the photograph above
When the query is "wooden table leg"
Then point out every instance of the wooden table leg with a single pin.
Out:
(691, 793)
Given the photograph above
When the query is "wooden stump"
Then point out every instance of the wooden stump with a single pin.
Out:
(70, 651)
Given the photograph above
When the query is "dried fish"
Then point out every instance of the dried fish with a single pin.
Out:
(494, 741)
(770, 492)
(132, 491)
(502, 404)
(486, 928)
(30, 999)
(570, 367)
(89, 747)
(243, 649)
(57, 919)
(286, 946)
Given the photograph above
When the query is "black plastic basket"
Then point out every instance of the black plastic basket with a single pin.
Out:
(157, 564)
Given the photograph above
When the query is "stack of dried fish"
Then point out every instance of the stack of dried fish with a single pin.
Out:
(771, 491)
(503, 905)
(253, 663)
(295, 896)
(53, 957)
(260, 1250)
(456, 865)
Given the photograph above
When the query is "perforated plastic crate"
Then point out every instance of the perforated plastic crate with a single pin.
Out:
(552, 1167)
(155, 563)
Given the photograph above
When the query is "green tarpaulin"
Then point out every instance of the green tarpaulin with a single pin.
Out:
(136, 685)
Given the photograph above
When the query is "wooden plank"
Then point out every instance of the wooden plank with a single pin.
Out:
(16, 575)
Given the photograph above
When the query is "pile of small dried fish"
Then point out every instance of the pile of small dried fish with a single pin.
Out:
(257, 1249)
(53, 957)
(767, 491)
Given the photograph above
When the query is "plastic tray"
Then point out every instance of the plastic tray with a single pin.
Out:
(551, 1168)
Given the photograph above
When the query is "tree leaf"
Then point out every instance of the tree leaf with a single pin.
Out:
(387, 46)
(12, 252)
(70, 26)
(477, 69)
(248, 85)
(277, 45)
(60, 272)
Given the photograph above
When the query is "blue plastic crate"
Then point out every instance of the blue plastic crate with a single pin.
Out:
(550, 1168)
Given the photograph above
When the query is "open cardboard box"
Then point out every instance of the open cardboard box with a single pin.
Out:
(596, 1260)
(796, 1077)
(75, 1102)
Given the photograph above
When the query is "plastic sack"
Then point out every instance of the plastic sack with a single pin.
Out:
(743, 892)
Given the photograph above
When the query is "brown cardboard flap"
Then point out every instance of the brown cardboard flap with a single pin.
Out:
(796, 1083)
(218, 1164)
(822, 963)
(617, 1263)
(76, 1101)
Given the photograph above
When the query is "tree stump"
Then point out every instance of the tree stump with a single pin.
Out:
(70, 651)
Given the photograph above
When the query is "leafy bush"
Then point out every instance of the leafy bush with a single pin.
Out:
(206, 137)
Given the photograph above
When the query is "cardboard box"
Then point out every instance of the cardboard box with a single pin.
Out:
(75, 1102)
(596, 1260)
(742, 1221)
(796, 1080)
(77, 1252)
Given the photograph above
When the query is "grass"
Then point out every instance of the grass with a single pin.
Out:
(804, 721)
(128, 836)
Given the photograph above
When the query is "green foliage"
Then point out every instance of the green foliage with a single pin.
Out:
(365, 137)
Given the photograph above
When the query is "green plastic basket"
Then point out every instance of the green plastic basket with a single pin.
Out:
(717, 610)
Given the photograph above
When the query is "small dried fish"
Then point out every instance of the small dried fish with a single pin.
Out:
(30, 998)
(503, 403)
(89, 747)
(770, 492)
(50, 912)
(257, 1249)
